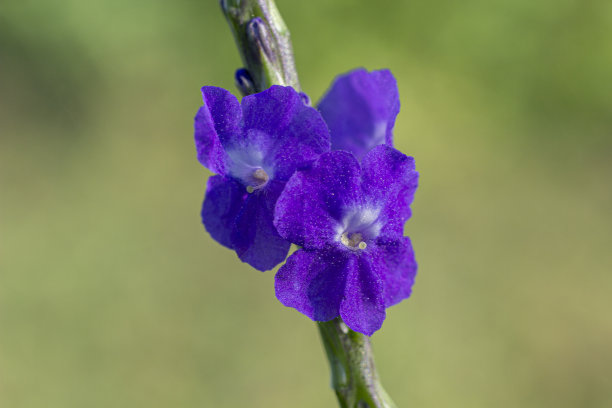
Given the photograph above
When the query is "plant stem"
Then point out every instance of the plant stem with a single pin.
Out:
(264, 44)
(353, 374)
(265, 47)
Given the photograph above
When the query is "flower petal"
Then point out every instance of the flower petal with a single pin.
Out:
(223, 200)
(313, 283)
(217, 120)
(287, 132)
(254, 236)
(389, 178)
(363, 307)
(360, 110)
(397, 266)
(310, 208)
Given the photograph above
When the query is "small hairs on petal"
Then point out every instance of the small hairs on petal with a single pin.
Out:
(313, 283)
(254, 236)
(224, 198)
(363, 306)
(310, 208)
(215, 122)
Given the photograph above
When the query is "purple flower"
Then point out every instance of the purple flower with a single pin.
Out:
(360, 110)
(348, 218)
(254, 148)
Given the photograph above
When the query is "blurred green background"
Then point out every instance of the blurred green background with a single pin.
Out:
(113, 295)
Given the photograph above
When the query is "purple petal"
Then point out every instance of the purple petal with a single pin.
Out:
(360, 110)
(287, 132)
(223, 200)
(216, 121)
(397, 266)
(311, 206)
(313, 283)
(254, 236)
(389, 178)
(363, 307)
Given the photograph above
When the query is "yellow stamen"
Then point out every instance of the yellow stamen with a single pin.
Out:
(354, 241)
(261, 178)
(261, 175)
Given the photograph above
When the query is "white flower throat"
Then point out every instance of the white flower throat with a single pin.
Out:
(248, 164)
(358, 226)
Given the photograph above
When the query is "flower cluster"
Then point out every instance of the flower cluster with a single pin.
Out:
(327, 180)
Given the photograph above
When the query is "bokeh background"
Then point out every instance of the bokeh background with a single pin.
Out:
(113, 295)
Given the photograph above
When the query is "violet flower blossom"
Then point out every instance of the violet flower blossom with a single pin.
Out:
(254, 148)
(348, 218)
(360, 109)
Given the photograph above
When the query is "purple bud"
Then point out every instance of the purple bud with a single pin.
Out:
(244, 81)
(257, 33)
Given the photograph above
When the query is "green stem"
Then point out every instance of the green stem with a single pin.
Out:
(264, 44)
(353, 374)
